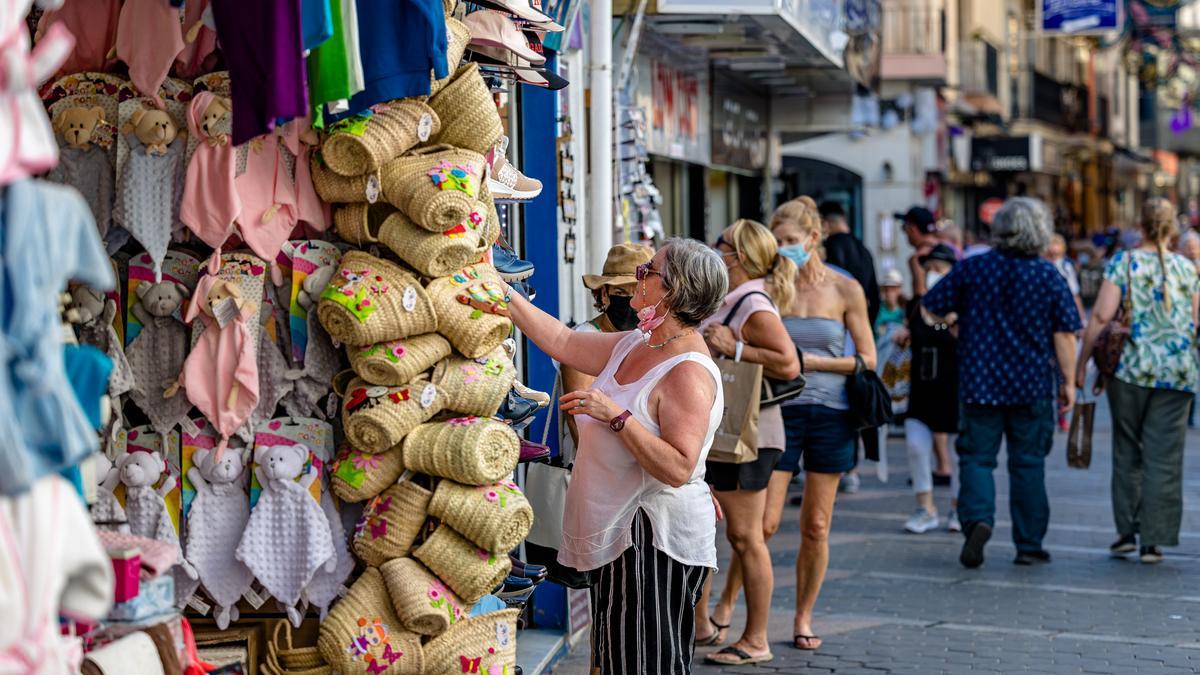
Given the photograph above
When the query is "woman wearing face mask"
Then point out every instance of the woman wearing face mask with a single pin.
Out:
(817, 422)
(748, 328)
(612, 291)
(638, 512)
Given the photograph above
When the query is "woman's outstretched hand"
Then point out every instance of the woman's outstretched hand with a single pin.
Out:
(592, 403)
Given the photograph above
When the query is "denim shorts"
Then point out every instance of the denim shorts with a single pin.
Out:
(823, 437)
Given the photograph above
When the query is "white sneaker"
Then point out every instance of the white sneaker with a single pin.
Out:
(952, 523)
(921, 521)
(849, 483)
(506, 182)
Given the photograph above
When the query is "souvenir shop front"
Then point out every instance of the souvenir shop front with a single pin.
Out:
(263, 407)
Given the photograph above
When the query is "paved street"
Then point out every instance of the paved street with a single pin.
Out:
(900, 603)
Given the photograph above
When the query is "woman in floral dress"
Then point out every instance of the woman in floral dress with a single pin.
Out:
(1154, 384)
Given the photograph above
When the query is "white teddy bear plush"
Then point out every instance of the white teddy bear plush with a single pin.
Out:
(217, 518)
(288, 538)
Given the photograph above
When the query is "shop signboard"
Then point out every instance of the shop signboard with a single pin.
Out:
(676, 101)
(739, 126)
(1080, 17)
(1013, 154)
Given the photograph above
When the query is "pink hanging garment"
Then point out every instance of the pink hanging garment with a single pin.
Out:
(210, 199)
(200, 43)
(148, 39)
(220, 374)
(300, 139)
(94, 25)
(27, 144)
(268, 201)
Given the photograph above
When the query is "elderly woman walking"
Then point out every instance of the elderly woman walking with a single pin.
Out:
(1154, 383)
(638, 510)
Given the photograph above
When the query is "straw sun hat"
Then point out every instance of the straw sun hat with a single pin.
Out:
(620, 266)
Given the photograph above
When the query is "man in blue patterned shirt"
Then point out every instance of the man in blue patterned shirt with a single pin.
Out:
(1016, 344)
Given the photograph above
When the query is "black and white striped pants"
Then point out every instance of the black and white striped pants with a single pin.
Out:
(643, 610)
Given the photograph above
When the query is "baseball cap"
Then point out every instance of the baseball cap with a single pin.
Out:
(919, 216)
(891, 278)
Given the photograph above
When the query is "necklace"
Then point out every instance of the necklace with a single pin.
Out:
(669, 340)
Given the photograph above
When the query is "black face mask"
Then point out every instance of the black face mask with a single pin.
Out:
(620, 313)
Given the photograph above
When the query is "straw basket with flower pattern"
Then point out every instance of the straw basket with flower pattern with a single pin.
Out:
(371, 300)
(471, 308)
(364, 142)
(376, 417)
(494, 517)
(469, 450)
(437, 186)
(362, 635)
(467, 569)
(481, 644)
(433, 254)
(358, 476)
(424, 604)
(391, 522)
(475, 386)
(398, 362)
(468, 112)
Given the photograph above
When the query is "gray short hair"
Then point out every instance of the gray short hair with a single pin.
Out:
(695, 280)
(1022, 226)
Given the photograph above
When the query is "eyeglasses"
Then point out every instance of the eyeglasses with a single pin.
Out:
(717, 247)
(644, 270)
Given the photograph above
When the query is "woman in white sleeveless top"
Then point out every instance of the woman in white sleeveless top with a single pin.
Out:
(638, 510)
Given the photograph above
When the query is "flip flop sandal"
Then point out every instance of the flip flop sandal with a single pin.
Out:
(715, 638)
(809, 638)
(739, 657)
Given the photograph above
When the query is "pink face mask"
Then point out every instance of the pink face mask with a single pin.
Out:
(649, 319)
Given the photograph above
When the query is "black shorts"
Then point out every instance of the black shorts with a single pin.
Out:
(752, 476)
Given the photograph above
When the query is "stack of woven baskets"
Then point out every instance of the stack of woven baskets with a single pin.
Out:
(422, 316)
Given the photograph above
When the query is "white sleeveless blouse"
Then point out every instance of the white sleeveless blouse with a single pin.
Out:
(608, 485)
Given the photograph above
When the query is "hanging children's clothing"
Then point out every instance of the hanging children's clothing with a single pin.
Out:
(401, 41)
(94, 25)
(47, 236)
(27, 144)
(263, 49)
(149, 37)
(198, 55)
(268, 200)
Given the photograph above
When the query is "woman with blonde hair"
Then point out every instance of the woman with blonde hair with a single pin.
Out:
(817, 423)
(1153, 386)
(748, 328)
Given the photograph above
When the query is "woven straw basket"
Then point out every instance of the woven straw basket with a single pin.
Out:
(436, 186)
(491, 219)
(422, 601)
(470, 450)
(471, 310)
(363, 143)
(467, 569)
(433, 254)
(458, 36)
(399, 361)
(337, 189)
(372, 300)
(475, 386)
(390, 523)
(294, 659)
(362, 629)
(359, 223)
(358, 476)
(494, 517)
(376, 418)
(487, 641)
(272, 665)
(468, 112)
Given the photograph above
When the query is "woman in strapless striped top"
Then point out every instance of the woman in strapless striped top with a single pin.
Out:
(820, 434)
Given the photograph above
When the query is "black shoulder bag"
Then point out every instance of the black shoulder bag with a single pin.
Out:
(870, 403)
(774, 391)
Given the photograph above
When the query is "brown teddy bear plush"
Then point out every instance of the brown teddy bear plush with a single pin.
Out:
(154, 128)
(77, 124)
(216, 121)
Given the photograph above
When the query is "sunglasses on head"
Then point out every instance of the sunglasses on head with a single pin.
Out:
(644, 270)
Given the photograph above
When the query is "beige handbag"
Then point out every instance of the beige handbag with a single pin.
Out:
(736, 441)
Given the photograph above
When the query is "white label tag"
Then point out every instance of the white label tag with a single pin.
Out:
(372, 191)
(376, 392)
(199, 605)
(502, 635)
(254, 599)
(410, 299)
(331, 406)
(428, 395)
(424, 127)
(226, 312)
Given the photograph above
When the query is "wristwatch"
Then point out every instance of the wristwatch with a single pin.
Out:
(618, 423)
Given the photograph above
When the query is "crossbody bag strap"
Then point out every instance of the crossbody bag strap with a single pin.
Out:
(738, 305)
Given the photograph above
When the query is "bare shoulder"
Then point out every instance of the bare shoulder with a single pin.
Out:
(689, 381)
(849, 289)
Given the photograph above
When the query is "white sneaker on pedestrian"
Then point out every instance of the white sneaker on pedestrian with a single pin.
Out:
(952, 522)
(849, 483)
(921, 521)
